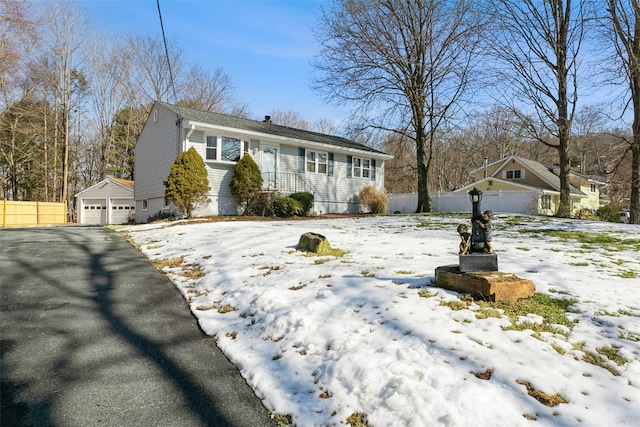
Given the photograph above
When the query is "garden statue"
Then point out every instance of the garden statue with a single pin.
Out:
(479, 241)
(477, 273)
(486, 230)
(465, 236)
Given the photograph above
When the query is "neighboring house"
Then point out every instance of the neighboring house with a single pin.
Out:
(516, 174)
(108, 202)
(291, 160)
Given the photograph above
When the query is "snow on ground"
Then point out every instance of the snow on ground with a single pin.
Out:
(320, 338)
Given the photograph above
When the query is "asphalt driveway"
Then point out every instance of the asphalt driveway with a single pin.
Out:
(91, 334)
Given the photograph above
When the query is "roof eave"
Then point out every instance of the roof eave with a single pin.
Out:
(187, 124)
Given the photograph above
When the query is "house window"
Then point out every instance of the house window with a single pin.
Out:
(225, 148)
(316, 162)
(592, 188)
(165, 204)
(514, 174)
(546, 202)
(145, 205)
(212, 148)
(361, 168)
(230, 149)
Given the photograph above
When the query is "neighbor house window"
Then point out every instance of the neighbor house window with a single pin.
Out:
(592, 188)
(546, 202)
(361, 168)
(316, 162)
(514, 174)
(225, 148)
(212, 148)
(165, 204)
(145, 205)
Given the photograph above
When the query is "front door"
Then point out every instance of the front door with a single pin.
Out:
(269, 165)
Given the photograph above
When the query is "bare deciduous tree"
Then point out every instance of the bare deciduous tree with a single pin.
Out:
(403, 65)
(536, 44)
(624, 24)
(206, 90)
(291, 119)
(110, 67)
(150, 77)
(65, 30)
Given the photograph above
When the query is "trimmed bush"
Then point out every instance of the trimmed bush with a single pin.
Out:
(187, 184)
(246, 183)
(374, 200)
(287, 207)
(305, 199)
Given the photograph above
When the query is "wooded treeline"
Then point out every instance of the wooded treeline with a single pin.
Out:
(73, 101)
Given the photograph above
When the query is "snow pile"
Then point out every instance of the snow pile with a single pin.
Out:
(320, 338)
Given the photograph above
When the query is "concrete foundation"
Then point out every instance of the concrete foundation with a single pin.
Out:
(488, 285)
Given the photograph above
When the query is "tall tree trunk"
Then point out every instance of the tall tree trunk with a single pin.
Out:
(634, 202)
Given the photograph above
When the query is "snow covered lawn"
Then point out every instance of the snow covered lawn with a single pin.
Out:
(321, 338)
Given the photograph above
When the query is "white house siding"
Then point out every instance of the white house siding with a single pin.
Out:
(153, 161)
(335, 193)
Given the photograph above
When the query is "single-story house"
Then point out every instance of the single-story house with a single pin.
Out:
(516, 176)
(332, 168)
(108, 202)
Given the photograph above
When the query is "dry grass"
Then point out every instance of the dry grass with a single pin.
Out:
(169, 262)
(226, 309)
(357, 420)
(541, 396)
(455, 304)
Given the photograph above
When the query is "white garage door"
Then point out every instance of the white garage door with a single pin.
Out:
(94, 212)
(121, 210)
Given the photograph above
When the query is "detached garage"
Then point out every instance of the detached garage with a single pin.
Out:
(108, 202)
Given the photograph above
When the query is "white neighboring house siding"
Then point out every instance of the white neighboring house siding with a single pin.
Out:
(153, 161)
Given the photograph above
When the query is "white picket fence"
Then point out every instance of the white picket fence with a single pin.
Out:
(523, 202)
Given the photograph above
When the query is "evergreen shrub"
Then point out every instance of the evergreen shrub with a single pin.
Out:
(609, 213)
(187, 184)
(305, 199)
(246, 183)
(287, 207)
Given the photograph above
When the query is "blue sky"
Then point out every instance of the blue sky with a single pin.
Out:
(265, 46)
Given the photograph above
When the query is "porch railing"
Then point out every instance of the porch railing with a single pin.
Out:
(285, 183)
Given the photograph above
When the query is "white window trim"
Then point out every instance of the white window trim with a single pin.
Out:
(165, 204)
(361, 167)
(317, 162)
(244, 147)
(505, 173)
(145, 205)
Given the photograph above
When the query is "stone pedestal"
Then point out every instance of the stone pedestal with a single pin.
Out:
(489, 285)
(478, 262)
(313, 242)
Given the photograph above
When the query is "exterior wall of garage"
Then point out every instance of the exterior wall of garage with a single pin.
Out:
(107, 202)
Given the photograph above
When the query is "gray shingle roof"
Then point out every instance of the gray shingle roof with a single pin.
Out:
(266, 128)
(544, 173)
